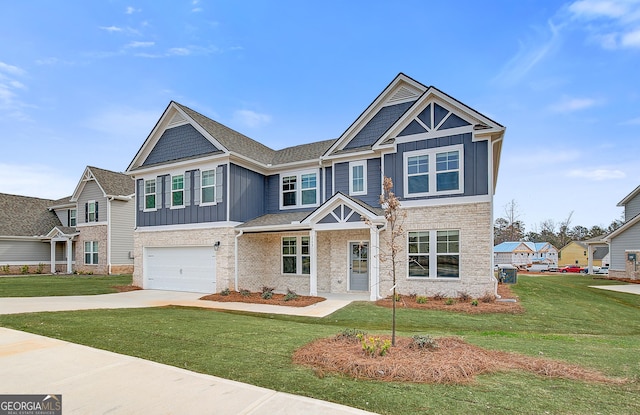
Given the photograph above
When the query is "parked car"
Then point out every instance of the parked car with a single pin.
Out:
(603, 271)
(571, 268)
(538, 268)
(594, 270)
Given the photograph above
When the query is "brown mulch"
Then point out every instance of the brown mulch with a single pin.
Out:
(627, 280)
(452, 362)
(508, 303)
(256, 298)
(126, 288)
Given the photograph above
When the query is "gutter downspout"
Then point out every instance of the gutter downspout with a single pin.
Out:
(109, 200)
(235, 253)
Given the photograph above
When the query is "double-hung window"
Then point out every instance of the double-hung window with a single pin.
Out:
(72, 217)
(358, 178)
(299, 190)
(91, 212)
(434, 254)
(177, 190)
(91, 252)
(435, 171)
(296, 255)
(150, 194)
(208, 186)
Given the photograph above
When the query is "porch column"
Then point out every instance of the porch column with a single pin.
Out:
(313, 277)
(53, 256)
(69, 245)
(374, 258)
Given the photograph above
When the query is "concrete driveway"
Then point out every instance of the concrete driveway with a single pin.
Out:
(94, 381)
(629, 289)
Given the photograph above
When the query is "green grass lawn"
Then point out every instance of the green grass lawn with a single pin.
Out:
(56, 285)
(564, 319)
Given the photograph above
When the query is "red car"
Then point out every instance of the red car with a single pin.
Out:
(571, 268)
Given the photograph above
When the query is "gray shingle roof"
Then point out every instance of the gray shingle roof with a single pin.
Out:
(26, 216)
(302, 152)
(113, 183)
(273, 219)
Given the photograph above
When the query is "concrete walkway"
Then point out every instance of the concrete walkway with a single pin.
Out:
(629, 289)
(94, 381)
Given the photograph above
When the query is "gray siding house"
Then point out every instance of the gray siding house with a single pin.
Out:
(216, 209)
(624, 242)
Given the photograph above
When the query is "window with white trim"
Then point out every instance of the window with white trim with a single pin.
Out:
(299, 190)
(73, 217)
(435, 171)
(150, 194)
(92, 211)
(296, 255)
(208, 186)
(177, 190)
(91, 252)
(358, 177)
(434, 254)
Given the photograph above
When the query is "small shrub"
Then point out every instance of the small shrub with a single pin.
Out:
(245, 293)
(374, 346)
(290, 295)
(40, 268)
(267, 292)
(439, 296)
(464, 296)
(450, 301)
(423, 341)
(24, 269)
(398, 298)
(474, 303)
(351, 335)
(488, 298)
(421, 300)
(225, 292)
(6, 269)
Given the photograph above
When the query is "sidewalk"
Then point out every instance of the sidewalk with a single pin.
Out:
(94, 381)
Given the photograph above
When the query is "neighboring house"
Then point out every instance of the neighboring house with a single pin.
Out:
(574, 253)
(216, 209)
(94, 224)
(24, 222)
(597, 252)
(624, 242)
(525, 253)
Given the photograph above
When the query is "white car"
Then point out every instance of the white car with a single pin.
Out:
(602, 271)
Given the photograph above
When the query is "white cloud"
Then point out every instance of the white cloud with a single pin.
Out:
(598, 8)
(131, 10)
(111, 29)
(573, 104)
(137, 44)
(36, 180)
(179, 52)
(11, 105)
(122, 123)
(597, 174)
(613, 24)
(631, 39)
(11, 70)
(251, 118)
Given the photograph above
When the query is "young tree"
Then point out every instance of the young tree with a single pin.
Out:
(509, 227)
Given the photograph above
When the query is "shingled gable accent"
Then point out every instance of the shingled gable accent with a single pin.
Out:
(112, 184)
(341, 209)
(381, 114)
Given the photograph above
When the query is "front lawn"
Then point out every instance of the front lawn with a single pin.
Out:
(564, 320)
(57, 285)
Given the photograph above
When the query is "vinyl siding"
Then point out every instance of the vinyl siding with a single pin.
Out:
(24, 250)
(629, 239)
(272, 196)
(476, 164)
(632, 208)
(247, 194)
(91, 191)
(122, 224)
(374, 181)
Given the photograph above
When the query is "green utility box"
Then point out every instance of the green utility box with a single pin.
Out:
(507, 274)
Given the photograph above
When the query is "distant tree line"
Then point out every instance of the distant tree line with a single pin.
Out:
(509, 227)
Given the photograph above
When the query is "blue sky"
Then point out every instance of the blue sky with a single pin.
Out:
(83, 83)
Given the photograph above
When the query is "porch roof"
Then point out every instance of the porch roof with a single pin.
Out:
(274, 221)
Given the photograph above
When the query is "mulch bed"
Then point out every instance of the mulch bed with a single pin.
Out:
(452, 362)
(256, 298)
(627, 280)
(126, 288)
(508, 303)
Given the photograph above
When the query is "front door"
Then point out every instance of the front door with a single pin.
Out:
(358, 266)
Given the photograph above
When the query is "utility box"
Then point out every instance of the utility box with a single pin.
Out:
(507, 274)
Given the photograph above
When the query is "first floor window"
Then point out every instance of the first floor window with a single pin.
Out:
(434, 254)
(150, 194)
(91, 252)
(296, 255)
(208, 186)
(177, 190)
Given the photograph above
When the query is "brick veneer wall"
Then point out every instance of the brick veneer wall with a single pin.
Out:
(92, 233)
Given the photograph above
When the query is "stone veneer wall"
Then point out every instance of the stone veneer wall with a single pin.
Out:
(92, 233)
(476, 250)
(225, 265)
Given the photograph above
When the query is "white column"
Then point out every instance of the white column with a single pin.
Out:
(374, 260)
(590, 251)
(313, 278)
(53, 256)
(69, 246)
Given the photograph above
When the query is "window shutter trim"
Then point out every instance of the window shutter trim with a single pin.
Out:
(167, 191)
(196, 187)
(219, 181)
(141, 197)
(158, 192)
(86, 212)
(187, 188)
(96, 211)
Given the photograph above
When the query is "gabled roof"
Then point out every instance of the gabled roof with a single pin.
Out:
(625, 227)
(112, 184)
(63, 202)
(629, 197)
(26, 216)
(581, 244)
(512, 247)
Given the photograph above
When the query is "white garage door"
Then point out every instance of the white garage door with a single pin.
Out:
(191, 268)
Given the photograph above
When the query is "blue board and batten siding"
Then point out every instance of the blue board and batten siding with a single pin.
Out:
(476, 163)
(190, 213)
(374, 181)
(378, 125)
(247, 194)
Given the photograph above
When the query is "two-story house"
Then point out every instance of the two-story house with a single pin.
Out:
(216, 209)
(624, 242)
(525, 253)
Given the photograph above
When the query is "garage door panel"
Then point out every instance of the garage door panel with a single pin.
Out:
(180, 269)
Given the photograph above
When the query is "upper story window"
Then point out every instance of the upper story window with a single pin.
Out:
(358, 178)
(177, 190)
(72, 217)
(208, 186)
(436, 171)
(299, 190)
(150, 194)
(91, 211)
